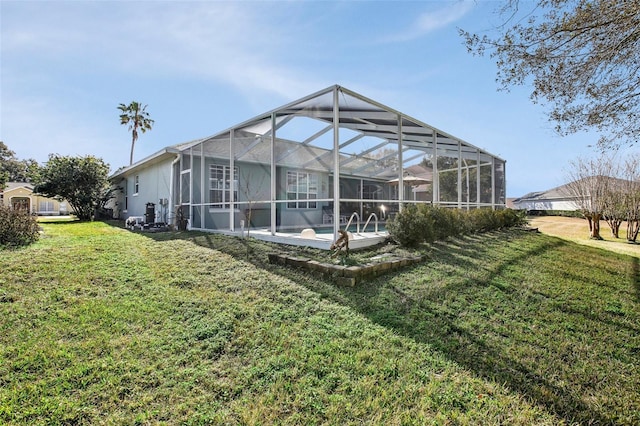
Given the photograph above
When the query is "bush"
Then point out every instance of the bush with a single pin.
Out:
(425, 223)
(411, 226)
(483, 220)
(17, 228)
(563, 213)
(448, 222)
(510, 218)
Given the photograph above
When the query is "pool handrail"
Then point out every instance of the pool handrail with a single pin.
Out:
(346, 228)
(375, 216)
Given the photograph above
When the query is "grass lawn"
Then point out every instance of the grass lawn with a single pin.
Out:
(99, 325)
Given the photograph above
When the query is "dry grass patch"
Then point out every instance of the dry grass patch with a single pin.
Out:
(577, 230)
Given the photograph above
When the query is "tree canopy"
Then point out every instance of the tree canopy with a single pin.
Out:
(582, 56)
(13, 169)
(136, 116)
(82, 181)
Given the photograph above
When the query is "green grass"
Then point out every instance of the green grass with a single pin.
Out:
(101, 325)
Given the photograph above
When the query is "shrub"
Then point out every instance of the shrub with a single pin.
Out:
(424, 223)
(411, 226)
(510, 218)
(448, 222)
(483, 220)
(17, 228)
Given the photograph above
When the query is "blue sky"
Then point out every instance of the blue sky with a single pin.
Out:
(204, 66)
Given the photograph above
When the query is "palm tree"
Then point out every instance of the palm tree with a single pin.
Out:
(137, 118)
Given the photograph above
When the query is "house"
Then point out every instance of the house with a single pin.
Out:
(20, 196)
(558, 198)
(571, 196)
(564, 197)
(328, 160)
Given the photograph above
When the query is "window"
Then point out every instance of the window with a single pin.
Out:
(125, 192)
(220, 185)
(136, 184)
(46, 206)
(302, 186)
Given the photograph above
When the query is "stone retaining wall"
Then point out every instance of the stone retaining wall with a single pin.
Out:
(345, 275)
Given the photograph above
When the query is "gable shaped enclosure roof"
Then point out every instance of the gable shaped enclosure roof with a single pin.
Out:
(361, 118)
(322, 161)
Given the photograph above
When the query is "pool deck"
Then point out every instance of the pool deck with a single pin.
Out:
(321, 241)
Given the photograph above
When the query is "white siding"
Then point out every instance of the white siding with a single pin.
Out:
(153, 185)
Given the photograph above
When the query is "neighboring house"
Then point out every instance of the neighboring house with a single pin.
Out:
(20, 196)
(564, 197)
(558, 198)
(332, 154)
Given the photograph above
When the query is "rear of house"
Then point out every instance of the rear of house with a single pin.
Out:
(322, 162)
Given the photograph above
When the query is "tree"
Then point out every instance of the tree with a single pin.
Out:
(136, 116)
(631, 176)
(582, 56)
(590, 185)
(614, 208)
(14, 170)
(82, 181)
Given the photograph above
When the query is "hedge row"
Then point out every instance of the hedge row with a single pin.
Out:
(563, 213)
(17, 228)
(423, 223)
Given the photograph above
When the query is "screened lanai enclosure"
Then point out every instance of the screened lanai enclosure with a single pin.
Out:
(332, 160)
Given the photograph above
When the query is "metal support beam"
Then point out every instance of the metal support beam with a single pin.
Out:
(493, 183)
(202, 186)
(321, 158)
(336, 163)
(401, 164)
(306, 142)
(436, 177)
(459, 174)
(273, 174)
(478, 181)
(232, 200)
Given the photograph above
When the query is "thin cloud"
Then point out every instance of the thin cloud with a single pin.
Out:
(431, 21)
(226, 42)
